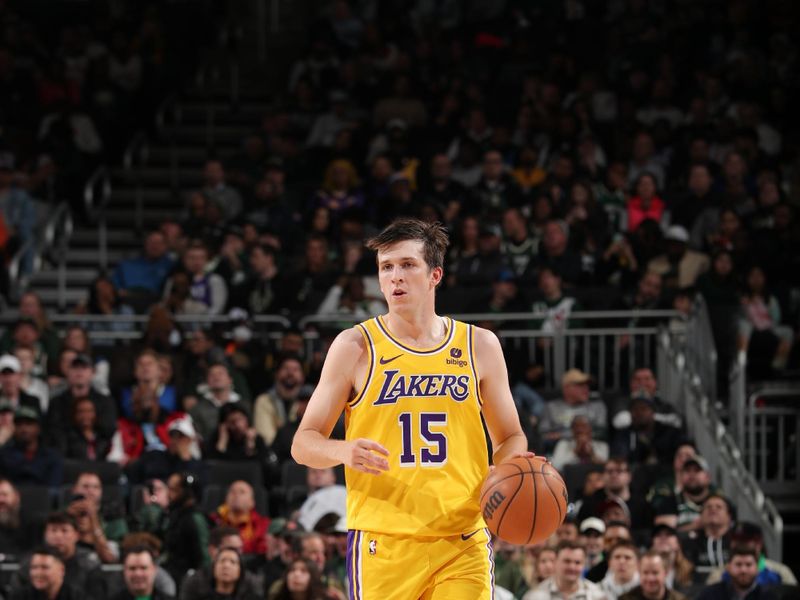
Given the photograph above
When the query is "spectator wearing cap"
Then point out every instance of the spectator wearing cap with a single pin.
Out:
(277, 406)
(554, 252)
(180, 455)
(680, 570)
(643, 384)
(742, 582)
(235, 438)
(681, 508)
(709, 547)
(617, 490)
(215, 393)
(679, 266)
(79, 385)
(591, 533)
(187, 533)
(647, 441)
(139, 280)
(24, 460)
(25, 333)
(580, 448)
(239, 511)
(558, 414)
(653, 580)
(11, 393)
(645, 204)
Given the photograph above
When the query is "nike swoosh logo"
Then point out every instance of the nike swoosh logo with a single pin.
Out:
(466, 536)
(386, 361)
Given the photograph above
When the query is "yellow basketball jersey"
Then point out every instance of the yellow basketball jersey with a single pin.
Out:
(424, 406)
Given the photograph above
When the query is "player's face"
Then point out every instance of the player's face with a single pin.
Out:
(404, 276)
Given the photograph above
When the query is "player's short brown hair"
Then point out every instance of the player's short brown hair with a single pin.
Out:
(433, 236)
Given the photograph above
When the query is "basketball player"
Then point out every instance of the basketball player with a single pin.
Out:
(413, 386)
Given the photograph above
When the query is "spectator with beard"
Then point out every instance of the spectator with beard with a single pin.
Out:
(187, 533)
(680, 508)
(24, 459)
(743, 583)
(17, 531)
(647, 441)
(48, 578)
(277, 406)
(770, 572)
(653, 580)
(617, 478)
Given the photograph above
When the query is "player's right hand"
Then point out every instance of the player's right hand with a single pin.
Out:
(364, 455)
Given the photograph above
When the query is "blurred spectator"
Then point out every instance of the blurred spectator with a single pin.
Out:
(302, 579)
(18, 532)
(679, 266)
(339, 190)
(496, 190)
(23, 459)
(139, 281)
(83, 439)
(760, 329)
(149, 388)
(47, 578)
(709, 546)
(105, 301)
(309, 547)
(591, 536)
(200, 582)
(262, 292)
(195, 291)
(554, 303)
(214, 394)
(186, 536)
(555, 253)
(100, 527)
(770, 572)
(682, 507)
(679, 570)
(239, 511)
(643, 384)
(328, 125)
(229, 578)
(348, 298)
(400, 105)
(645, 204)
(743, 583)
(653, 580)
(309, 282)
(519, 246)
(481, 269)
(580, 448)
(278, 406)
(507, 572)
(279, 552)
(647, 441)
(29, 383)
(623, 570)
(155, 500)
(699, 195)
(17, 210)
(567, 581)
(30, 307)
(79, 385)
(219, 192)
(558, 414)
(11, 393)
(235, 438)
(25, 333)
(180, 455)
(644, 162)
(139, 569)
(616, 532)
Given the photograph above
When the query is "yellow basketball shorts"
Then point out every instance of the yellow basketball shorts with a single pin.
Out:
(393, 567)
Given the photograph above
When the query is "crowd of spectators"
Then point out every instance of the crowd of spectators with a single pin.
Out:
(625, 155)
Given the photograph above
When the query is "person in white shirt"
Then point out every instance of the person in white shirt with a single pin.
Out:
(581, 449)
(623, 570)
(567, 583)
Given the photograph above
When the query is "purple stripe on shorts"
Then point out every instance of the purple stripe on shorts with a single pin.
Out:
(358, 565)
(491, 561)
(349, 563)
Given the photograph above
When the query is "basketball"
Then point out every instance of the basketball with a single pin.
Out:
(524, 500)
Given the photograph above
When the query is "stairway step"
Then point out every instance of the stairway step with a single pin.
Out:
(117, 237)
(127, 216)
(49, 295)
(194, 155)
(197, 133)
(152, 197)
(157, 177)
(74, 277)
(82, 258)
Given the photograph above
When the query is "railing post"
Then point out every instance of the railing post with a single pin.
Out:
(737, 396)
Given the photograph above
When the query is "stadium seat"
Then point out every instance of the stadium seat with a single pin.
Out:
(293, 474)
(109, 472)
(36, 500)
(574, 476)
(224, 473)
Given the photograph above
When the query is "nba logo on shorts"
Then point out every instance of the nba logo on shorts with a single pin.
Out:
(373, 547)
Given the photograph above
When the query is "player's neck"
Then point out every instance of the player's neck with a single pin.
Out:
(422, 328)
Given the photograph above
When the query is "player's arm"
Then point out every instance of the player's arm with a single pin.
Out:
(311, 445)
(499, 411)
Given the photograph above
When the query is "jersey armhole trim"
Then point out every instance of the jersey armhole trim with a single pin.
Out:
(472, 363)
(371, 351)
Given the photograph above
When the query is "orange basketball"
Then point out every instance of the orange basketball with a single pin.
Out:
(524, 500)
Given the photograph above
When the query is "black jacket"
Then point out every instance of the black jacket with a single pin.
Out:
(724, 591)
(185, 541)
(28, 592)
(59, 415)
(126, 595)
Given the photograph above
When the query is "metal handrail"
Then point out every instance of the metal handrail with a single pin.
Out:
(97, 210)
(517, 316)
(57, 229)
(11, 316)
(133, 161)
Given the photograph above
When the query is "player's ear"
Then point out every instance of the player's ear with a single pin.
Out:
(436, 275)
